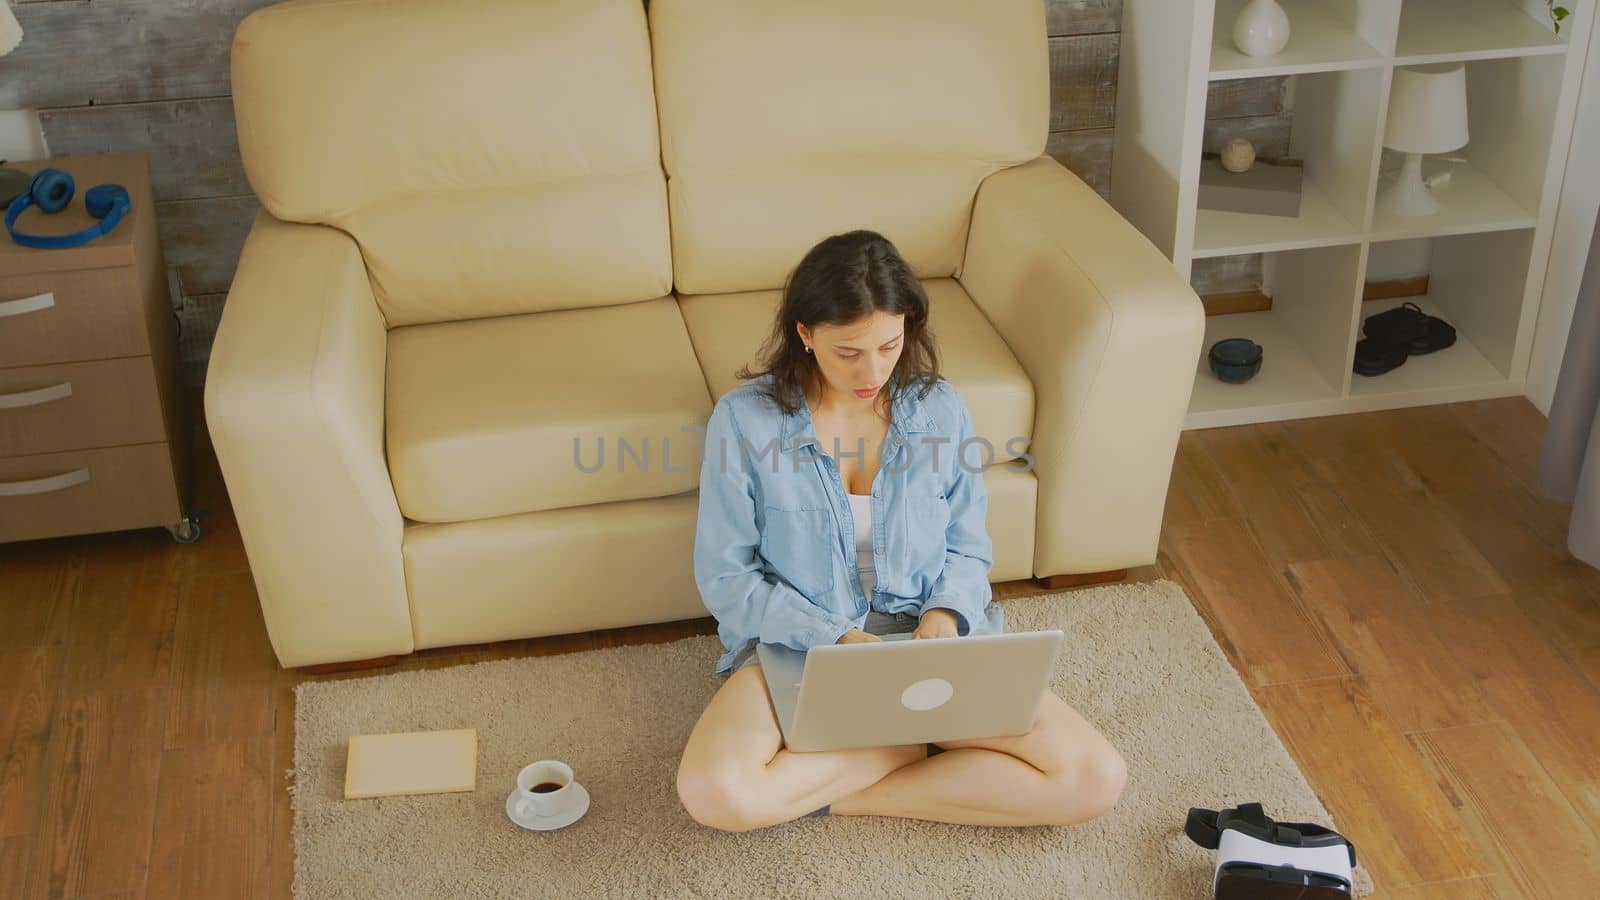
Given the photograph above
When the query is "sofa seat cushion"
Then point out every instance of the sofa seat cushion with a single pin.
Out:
(514, 414)
(728, 329)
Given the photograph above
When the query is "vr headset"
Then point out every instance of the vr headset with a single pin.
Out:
(1259, 859)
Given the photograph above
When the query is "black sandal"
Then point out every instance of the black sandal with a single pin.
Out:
(1400, 325)
(1408, 327)
(1374, 357)
(1438, 335)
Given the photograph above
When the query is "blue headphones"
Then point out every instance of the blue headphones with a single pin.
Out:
(51, 190)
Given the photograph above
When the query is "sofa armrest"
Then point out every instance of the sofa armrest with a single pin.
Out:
(294, 402)
(1110, 336)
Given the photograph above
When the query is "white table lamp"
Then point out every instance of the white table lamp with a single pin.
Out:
(1427, 114)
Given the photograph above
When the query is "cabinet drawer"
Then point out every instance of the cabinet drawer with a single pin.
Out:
(54, 317)
(78, 406)
(77, 492)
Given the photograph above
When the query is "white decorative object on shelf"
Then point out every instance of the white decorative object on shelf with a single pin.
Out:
(1262, 28)
(1238, 155)
(1427, 114)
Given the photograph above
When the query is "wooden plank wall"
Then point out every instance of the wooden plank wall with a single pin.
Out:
(116, 75)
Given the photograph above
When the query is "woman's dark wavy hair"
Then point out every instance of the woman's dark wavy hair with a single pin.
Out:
(840, 280)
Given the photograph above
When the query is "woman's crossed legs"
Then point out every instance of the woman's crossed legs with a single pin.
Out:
(736, 774)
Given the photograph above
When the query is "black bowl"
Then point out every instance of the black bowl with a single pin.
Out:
(1235, 360)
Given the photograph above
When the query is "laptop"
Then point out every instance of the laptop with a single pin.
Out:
(906, 691)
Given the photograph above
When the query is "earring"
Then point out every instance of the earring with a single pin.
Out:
(808, 348)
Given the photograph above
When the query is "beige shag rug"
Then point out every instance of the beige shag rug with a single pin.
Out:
(1138, 663)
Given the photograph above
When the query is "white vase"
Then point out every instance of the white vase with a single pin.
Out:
(1262, 28)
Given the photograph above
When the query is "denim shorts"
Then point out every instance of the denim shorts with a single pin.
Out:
(877, 623)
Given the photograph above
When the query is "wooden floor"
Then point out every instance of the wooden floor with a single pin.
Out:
(1389, 585)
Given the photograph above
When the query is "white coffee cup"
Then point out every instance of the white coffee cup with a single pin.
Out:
(535, 795)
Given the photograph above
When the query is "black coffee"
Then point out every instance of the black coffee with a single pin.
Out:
(545, 787)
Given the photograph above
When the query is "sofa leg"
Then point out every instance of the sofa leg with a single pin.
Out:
(354, 665)
(1062, 582)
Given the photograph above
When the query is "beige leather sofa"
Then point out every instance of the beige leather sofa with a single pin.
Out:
(499, 231)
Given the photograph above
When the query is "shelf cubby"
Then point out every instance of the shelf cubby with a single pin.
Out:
(1475, 283)
(1305, 337)
(1510, 118)
(1442, 30)
(1457, 366)
(1324, 35)
(1335, 134)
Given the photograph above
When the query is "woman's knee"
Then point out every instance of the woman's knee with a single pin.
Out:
(1090, 772)
(721, 764)
(1088, 786)
(1102, 777)
(717, 799)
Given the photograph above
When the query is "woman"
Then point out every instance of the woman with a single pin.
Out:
(846, 436)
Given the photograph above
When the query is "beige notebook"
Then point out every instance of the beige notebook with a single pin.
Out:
(416, 762)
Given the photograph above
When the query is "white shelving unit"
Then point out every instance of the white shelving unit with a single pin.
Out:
(1487, 245)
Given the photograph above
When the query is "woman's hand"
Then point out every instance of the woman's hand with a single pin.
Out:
(857, 636)
(938, 623)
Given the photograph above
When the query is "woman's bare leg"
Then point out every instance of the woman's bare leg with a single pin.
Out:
(736, 775)
(1062, 773)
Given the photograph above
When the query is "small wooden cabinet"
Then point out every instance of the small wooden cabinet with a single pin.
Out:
(92, 431)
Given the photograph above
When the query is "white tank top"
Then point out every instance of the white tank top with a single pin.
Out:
(861, 509)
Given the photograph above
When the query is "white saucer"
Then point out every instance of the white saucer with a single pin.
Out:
(549, 823)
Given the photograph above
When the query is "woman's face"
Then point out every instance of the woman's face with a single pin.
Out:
(857, 359)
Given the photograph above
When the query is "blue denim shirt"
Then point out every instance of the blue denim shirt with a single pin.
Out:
(774, 550)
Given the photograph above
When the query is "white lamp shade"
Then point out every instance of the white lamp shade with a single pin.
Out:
(1427, 109)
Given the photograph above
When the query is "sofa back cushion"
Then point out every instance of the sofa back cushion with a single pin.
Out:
(783, 123)
(489, 156)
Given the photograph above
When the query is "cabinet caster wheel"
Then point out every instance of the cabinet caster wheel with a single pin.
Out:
(186, 531)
